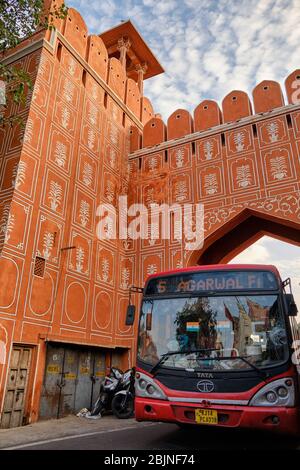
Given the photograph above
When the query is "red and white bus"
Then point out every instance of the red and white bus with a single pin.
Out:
(216, 346)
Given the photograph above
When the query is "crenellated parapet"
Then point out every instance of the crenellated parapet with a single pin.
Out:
(180, 123)
(207, 114)
(155, 132)
(97, 56)
(236, 105)
(241, 162)
(267, 96)
(75, 31)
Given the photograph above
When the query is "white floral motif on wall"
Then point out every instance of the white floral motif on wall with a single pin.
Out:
(125, 276)
(208, 150)
(243, 176)
(19, 174)
(110, 191)
(28, 134)
(87, 174)
(80, 255)
(7, 223)
(151, 269)
(60, 154)
(153, 232)
(30, 95)
(72, 66)
(48, 242)
(152, 162)
(84, 213)
(91, 139)
(68, 90)
(92, 115)
(55, 195)
(109, 228)
(272, 129)
(179, 158)
(211, 183)
(279, 168)
(181, 191)
(239, 139)
(42, 66)
(36, 91)
(105, 269)
(150, 196)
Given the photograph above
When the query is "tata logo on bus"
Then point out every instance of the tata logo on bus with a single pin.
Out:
(205, 375)
(205, 386)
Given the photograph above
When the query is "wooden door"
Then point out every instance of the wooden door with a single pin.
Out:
(15, 395)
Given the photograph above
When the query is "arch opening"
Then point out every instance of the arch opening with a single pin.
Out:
(238, 234)
(253, 238)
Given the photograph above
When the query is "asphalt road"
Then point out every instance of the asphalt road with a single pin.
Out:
(170, 437)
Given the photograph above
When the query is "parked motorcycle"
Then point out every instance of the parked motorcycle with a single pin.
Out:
(123, 402)
(116, 394)
(108, 388)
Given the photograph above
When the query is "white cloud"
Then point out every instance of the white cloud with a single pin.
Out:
(284, 256)
(255, 254)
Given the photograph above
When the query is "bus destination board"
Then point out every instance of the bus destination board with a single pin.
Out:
(212, 281)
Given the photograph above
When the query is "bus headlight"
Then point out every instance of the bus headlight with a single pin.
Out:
(146, 387)
(142, 384)
(281, 392)
(271, 397)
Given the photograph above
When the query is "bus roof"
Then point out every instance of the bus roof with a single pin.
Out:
(218, 267)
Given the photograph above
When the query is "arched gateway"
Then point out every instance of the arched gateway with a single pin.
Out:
(246, 174)
(241, 232)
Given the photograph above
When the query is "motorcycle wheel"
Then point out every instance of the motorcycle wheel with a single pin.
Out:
(120, 410)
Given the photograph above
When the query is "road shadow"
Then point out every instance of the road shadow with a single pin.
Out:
(209, 438)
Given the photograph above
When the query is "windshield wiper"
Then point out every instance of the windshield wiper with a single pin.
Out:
(261, 373)
(165, 356)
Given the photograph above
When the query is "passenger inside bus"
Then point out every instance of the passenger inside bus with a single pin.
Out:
(225, 327)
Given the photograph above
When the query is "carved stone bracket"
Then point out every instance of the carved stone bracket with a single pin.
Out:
(124, 45)
(141, 69)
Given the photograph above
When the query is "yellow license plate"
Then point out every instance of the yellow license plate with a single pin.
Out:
(206, 416)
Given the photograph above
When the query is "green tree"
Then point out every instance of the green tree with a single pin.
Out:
(19, 19)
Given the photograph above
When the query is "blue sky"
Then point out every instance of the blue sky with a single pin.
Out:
(208, 48)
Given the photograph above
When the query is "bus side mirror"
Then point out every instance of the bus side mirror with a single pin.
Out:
(291, 304)
(130, 315)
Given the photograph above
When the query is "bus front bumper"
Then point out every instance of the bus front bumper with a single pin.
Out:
(281, 419)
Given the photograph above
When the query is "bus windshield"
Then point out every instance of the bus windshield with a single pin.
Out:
(211, 333)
